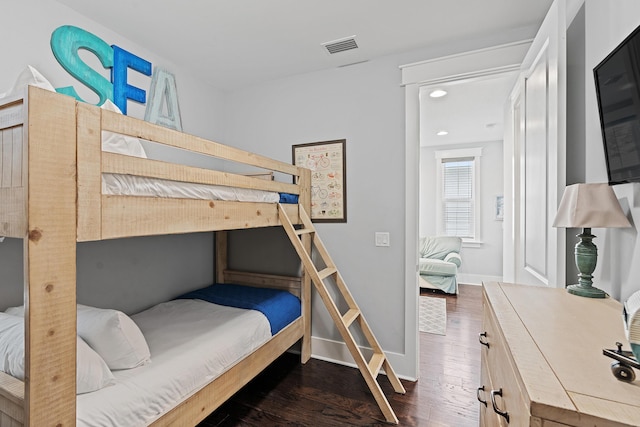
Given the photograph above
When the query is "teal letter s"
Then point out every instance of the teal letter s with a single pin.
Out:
(65, 43)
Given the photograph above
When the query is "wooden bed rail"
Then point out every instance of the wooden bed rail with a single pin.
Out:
(107, 217)
(125, 125)
(121, 164)
(91, 162)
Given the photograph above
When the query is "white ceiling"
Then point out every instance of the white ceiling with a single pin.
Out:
(234, 43)
(472, 110)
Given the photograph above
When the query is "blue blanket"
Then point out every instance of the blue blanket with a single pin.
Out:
(288, 198)
(280, 307)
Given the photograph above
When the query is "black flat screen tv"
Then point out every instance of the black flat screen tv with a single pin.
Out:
(617, 80)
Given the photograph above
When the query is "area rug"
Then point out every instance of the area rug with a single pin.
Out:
(433, 315)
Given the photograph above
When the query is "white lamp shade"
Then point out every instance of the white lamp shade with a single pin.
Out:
(590, 206)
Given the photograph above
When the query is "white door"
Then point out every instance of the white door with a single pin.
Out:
(538, 111)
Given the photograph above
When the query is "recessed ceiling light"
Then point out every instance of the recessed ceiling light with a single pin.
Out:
(437, 93)
(442, 133)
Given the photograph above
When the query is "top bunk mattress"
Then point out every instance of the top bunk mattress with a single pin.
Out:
(131, 185)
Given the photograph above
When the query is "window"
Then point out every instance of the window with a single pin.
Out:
(458, 193)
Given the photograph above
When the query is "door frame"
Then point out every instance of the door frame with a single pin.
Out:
(473, 64)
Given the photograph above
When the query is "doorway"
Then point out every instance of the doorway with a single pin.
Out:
(496, 60)
(466, 121)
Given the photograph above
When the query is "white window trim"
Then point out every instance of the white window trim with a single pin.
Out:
(476, 154)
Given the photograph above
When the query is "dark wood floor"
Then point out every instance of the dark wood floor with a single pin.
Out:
(325, 394)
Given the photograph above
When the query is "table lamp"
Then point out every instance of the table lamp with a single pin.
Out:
(588, 206)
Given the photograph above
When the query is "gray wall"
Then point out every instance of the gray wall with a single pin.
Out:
(363, 104)
(576, 147)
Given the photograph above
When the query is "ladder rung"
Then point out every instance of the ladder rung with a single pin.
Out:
(350, 316)
(302, 231)
(327, 272)
(376, 363)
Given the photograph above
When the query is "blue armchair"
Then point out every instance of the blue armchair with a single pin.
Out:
(439, 262)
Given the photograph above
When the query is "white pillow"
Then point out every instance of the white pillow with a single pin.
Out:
(114, 336)
(92, 373)
(29, 77)
(12, 345)
(15, 311)
(118, 143)
(111, 333)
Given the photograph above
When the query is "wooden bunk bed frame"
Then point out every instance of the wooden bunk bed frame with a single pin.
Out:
(51, 166)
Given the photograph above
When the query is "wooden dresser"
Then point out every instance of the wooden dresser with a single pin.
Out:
(543, 351)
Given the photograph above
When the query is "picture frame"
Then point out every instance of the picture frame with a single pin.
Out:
(327, 161)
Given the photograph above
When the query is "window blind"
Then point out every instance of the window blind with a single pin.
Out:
(458, 200)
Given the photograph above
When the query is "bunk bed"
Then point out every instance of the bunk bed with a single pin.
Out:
(51, 195)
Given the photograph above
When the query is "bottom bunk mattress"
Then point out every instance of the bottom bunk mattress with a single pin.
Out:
(191, 342)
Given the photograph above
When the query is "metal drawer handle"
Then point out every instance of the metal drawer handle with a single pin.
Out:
(480, 335)
(493, 394)
(478, 396)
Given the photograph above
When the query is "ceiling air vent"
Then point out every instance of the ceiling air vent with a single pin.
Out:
(341, 45)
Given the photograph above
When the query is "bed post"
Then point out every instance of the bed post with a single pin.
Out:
(50, 261)
(304, 201)
(89, 172)
(221, 255)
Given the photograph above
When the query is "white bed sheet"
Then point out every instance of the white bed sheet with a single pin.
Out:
(131, 185)
(191, 343)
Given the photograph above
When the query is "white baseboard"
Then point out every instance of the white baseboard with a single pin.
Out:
(337, 352)
(477, 279)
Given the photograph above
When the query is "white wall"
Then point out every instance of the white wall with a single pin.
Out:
(607, 24)
(478, 263)
(131, 273)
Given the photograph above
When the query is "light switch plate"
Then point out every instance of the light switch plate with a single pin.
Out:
(382, 238)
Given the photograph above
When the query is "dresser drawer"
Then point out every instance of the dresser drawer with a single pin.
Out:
(505, 397)
(488, 417)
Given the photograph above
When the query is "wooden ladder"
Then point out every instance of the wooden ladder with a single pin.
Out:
(368, 369)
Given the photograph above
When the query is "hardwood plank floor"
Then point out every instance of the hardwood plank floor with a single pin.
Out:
(325, 394)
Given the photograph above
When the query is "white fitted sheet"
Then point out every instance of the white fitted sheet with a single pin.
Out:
(131, 185)
(192, 342)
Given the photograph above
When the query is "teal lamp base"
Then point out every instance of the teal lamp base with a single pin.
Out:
(586, 291)
(586, 254)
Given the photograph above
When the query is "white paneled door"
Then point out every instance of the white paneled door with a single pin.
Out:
(537, 110)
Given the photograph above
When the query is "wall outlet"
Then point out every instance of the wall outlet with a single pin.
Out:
(382, 238)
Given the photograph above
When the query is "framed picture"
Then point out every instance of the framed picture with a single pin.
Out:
(327, 162)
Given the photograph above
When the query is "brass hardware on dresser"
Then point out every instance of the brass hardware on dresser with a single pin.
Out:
(542, 363)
